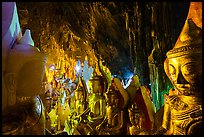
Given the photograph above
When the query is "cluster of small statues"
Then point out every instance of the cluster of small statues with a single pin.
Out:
(96, 104)
(101, 107)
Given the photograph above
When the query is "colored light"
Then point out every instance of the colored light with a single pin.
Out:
(78, 68)
(129, 81)
(52, 67)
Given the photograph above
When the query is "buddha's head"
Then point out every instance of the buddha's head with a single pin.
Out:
(112, 96)
(183, 65)
(117, 96)
(97, 84)
(135, 115)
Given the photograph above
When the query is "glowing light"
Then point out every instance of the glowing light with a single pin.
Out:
(52, 67)
(63, 98)
(77, 68)
(129, 81)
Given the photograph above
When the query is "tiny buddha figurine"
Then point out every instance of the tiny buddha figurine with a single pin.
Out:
(183, 109)
(57, 89)
(47, 101)
(54, 99)
(80, 98)
(139, 97)
(116, 99)
(136, 119)
(96, 99)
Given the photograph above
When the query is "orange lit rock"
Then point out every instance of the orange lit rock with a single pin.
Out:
(195, 13)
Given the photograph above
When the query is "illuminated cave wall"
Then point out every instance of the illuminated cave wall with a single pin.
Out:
(131, 37)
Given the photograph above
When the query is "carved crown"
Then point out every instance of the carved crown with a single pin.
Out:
(189, 41)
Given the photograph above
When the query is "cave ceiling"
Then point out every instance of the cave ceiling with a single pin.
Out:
(89, 29)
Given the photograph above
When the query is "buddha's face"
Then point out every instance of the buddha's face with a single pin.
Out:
(135, 118)
(111, 98)
(185, 73)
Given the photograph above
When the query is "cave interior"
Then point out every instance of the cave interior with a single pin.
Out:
(131, 38)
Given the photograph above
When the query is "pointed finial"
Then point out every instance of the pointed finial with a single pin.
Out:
(190, 35)
(27, 39)
(190, 39)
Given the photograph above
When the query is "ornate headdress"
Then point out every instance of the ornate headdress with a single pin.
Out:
(117, 89)
(134, 108)
(190, 39)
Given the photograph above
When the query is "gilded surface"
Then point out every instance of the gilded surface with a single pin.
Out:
(98, 107)
(136, 119)
(113, 122)
(183, 66)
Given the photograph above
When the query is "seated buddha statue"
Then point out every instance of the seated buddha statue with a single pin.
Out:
(136, 120)
(80, 98)
(116, 98)
(23, 72)
(96, 98)
(183, 109)
(140, 99)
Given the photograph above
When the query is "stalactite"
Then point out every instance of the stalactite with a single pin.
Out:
(84, 25)
(161, 43)
(139, 42)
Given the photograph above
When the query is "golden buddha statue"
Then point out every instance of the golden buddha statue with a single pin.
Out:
(54, 99)
(47, 101)
(80, 97)
(96, 98)
(116, 99)
(183, 66)
(136, 120)
(140, 99)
